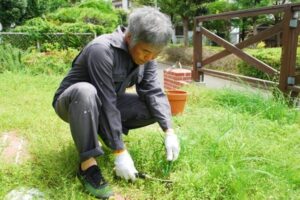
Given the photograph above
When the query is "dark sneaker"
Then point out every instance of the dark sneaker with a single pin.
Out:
(94, 182)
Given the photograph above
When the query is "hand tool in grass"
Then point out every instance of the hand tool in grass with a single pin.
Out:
(145, 176)
(142, 175)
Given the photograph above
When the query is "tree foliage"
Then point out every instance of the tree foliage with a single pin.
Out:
(83, 17)
(247, 25)
(91, 16)
(220, 27)
(17, 11)
(12, 11)
(188, 11)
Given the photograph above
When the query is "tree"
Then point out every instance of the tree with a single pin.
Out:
(36, 8)
(246, 4)
(221, 27)
(187, 10)
(278, 16)
(12, 11)
(17, 11)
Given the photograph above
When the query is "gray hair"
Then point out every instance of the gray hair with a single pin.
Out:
(149, 25)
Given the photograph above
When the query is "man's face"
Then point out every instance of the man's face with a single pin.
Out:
(142, 52)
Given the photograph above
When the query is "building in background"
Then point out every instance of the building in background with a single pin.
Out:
(124, 4)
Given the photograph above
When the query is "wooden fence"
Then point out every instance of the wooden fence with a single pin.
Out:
(289, 75)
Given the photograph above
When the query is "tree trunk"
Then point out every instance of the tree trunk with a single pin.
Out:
(254, 25)
(185, 21)
(278, 18)
(243, 31)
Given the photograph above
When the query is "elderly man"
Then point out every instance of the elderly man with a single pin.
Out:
(92, 98)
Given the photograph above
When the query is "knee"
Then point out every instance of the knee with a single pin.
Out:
(85, 93)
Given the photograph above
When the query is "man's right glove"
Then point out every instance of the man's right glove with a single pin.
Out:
(124, 166)
(172, 145)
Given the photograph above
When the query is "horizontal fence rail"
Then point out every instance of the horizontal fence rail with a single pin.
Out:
(248, 12)
(289, 27)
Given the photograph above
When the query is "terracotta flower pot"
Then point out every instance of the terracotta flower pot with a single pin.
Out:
(177, 99)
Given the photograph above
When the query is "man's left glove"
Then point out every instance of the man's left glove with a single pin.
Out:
(172, 145)
(124, 166)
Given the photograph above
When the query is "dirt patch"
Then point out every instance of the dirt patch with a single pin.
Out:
(13, 148)
(118, 197)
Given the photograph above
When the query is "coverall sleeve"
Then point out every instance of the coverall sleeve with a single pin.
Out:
(150, 90)
(100, 68)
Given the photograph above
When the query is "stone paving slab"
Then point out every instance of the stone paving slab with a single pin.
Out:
(13, 148)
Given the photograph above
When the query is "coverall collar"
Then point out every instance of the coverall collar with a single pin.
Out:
(118, 39)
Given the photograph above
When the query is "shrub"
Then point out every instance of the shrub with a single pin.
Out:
(10, 59)
(178, 53)
(47, 47)
(65, 15)
(92, 16)
(52, 62)
(35, 29)
(261, 45)
(19, 41)
(271, 56)
(95, 17)
(84, 15)
(122, 16)
(100, 5)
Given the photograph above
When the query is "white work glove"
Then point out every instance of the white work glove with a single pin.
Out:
(124, 166)
(172, 145)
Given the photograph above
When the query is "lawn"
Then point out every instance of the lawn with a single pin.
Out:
(234, 145)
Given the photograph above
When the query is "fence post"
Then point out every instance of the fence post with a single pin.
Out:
(38, 46)
(289, 51)
(197, 55)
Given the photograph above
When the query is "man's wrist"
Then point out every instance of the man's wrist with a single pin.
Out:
(119, 151)
(169, 131)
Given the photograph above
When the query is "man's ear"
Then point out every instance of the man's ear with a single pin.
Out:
(128, 38)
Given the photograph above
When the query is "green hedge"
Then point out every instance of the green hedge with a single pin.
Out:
(270, 56)
(93, 16)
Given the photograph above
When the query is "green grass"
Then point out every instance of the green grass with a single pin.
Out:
(234, 145)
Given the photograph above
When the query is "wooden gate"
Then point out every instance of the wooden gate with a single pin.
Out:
(289, 75)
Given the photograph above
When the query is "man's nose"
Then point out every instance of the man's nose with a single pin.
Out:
(149, 57)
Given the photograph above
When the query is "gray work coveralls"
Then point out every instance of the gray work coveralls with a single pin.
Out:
(92, 98)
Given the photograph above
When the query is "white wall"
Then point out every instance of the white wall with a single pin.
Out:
(125, 4)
